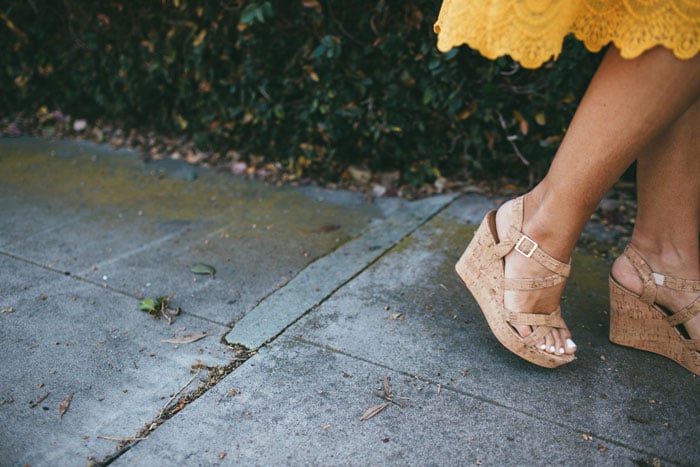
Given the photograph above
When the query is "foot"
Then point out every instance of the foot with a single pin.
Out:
(625, 274)
(544, 301)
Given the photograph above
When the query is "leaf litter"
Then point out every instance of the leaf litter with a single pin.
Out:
(65, 404)
(186, 339)
(33, 404)
(374, 410)
(184, 397)
(159, 307)
(387, 395)
(203, 269)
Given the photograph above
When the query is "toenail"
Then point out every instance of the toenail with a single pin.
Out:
(561, 350)
(552, 349)
(570, 344)
(543, 347)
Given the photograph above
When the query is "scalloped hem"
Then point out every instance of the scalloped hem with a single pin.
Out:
(533, 32)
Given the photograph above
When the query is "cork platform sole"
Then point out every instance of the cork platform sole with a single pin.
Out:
(637, 322)
(481, 268)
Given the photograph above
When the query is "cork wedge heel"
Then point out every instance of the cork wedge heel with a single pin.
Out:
(637, 321)
(481, 268)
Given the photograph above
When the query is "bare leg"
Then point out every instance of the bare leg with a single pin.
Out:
(629, 104)
(668, 215)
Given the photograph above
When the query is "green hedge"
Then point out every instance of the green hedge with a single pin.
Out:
(312, 83)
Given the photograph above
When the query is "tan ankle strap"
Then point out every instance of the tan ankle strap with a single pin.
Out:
(681, 285)
(645, 274)
(530, 249)
(651, 279)
(515, 239)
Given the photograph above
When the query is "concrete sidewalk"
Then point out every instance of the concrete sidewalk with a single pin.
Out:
(321, 303)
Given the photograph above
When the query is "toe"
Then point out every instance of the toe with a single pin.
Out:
(569, 345)
(558, 342)
(523, 330)
(550, 343)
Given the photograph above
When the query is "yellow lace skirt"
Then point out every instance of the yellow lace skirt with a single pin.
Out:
(532, 31)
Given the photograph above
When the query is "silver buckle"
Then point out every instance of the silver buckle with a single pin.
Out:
(533, 247)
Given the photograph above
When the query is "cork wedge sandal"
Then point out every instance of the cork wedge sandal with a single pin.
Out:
(637, 321)
(481, 268)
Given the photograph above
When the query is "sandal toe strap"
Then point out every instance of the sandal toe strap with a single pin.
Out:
(684, 315)
(533, 283)
(542, 323)
(552, 320)
(536, 336)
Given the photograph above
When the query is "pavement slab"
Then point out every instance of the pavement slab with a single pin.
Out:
(66, 337)
(323, 277)
(296, 403)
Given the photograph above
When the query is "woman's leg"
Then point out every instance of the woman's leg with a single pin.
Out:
(668, 213)
(628, 105)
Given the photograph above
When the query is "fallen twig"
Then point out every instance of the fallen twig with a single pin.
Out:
(389, 399)
(128, 439)
(510, 139)
(162, 411)
(387, 387)
(33, 404)
(188, 339)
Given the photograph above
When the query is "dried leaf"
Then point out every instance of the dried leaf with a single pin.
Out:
(201, 268)
(120, 439)
(186, 339)
(238, 168)
(387, 388)
(312, 4)
(65, 403)
(374, 410)
(359, 175)
(199, 38)
(181, 121)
